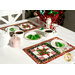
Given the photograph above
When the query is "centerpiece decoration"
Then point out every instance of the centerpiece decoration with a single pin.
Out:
(49, 17)
(55, 15)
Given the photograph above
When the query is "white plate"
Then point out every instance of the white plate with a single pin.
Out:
(33, 33)
(56, 40)
(15, 27)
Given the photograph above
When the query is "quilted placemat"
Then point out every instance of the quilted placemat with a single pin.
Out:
(43, 52)
(25, 26)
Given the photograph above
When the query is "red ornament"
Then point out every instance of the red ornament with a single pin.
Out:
(51, 26)
(61, 12)
(54, 18)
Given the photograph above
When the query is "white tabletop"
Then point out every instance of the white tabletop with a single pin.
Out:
(9, 55)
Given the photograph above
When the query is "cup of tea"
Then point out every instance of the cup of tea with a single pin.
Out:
(19, 33)
(47, 32)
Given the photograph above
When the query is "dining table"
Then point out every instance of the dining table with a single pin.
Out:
(10, 55)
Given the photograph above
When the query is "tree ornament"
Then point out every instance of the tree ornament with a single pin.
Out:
(50, 12)
(42, 12)
(55, 13)
(52, 27)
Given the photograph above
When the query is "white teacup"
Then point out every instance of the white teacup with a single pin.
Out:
(19, 33)
(48, 32)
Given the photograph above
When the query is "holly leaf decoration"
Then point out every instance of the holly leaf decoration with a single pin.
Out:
(24, 26)
(41, 53)
(50, 12)
(39, 50)
(27, 25)
(55, 13)
(46, 52)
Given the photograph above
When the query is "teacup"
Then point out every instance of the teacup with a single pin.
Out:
(19, 33)
(48, 32)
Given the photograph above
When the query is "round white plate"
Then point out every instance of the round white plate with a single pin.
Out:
(15, 27)
(33, 33)
(56, 40)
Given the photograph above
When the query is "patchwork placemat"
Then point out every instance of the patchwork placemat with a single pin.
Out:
(43, 52)
(28, 26)
(25, 26)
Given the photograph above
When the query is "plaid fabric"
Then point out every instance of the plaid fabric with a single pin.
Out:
(52, 53)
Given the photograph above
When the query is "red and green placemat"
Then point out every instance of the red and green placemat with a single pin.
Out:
(25, 26)
(43, 52)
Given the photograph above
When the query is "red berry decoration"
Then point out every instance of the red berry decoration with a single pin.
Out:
(61, 12)
(51, 26)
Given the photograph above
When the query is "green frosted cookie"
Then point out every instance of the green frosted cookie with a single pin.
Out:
(29, 36)
(12, 29)
(58, 44)
(33, 37)
(37, 35)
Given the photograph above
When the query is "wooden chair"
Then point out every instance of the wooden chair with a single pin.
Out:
(10, 15)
